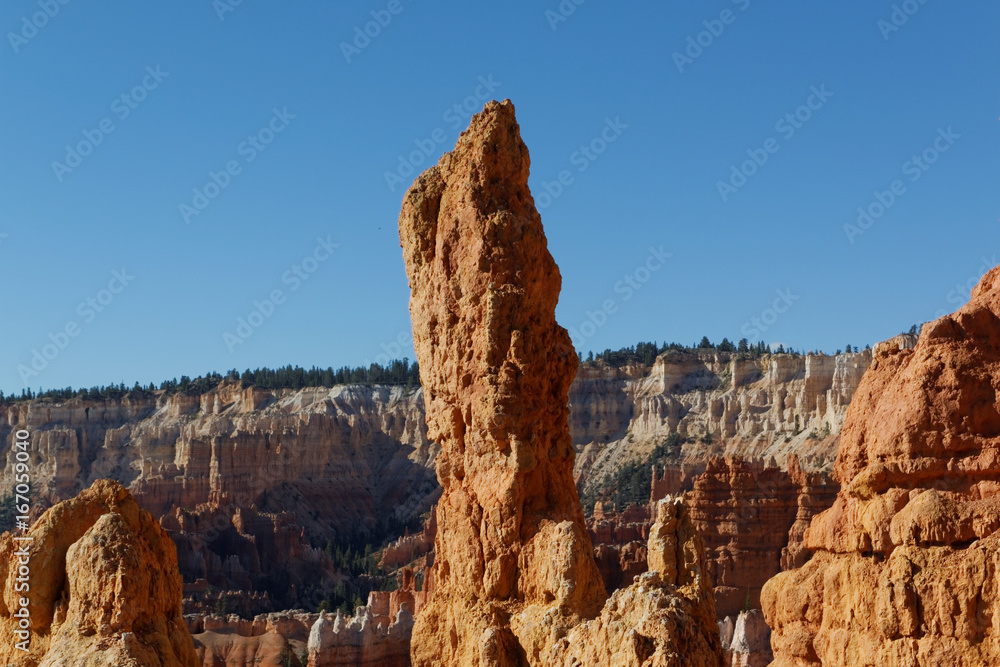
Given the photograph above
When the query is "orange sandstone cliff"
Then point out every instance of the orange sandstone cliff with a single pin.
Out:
(906, 564)
(104, 587)
(514, 569)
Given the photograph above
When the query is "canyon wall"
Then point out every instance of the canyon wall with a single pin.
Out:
(906, 561)
(250, 483)
(724, 403)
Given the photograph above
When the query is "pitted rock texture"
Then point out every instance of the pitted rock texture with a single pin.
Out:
(104, 587)
(512, 548)
(514, 570)
(907, 558)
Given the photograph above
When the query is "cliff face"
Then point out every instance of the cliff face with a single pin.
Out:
(906, 566)
(770, 407)
(104, 587)
(246, 480)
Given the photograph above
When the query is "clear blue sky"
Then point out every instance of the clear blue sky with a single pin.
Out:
(676, 136)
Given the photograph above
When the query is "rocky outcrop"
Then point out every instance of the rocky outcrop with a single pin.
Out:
(361, 641)
(267, 640)
(666, 618)
(514, 570)
(817, 491)
(619, 543)
(513, 561)
(743, 511)
(103, 587)
(746, 640)
(905, 569)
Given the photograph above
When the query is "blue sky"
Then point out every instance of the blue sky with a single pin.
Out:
(641, 124)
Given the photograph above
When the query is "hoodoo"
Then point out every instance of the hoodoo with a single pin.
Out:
(514, 568)
(104, 587)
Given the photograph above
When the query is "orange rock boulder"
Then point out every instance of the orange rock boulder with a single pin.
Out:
(906, 563)
(104, 587)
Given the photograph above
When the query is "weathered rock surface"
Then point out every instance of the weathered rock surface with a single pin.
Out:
(666, 618)
(620, 543)
(514, 569)
(513, 561)
(746, 640)
(365, 640)
(905, 570)
(743, 511)
(104, 587)
(268, 640)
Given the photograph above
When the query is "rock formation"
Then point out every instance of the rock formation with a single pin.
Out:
(665, 619)
(513, 561)
(361, 641)
(725, 403)
(104, 587)
(743, 510)
(251, 483)
(619, 543)
(514, 569)
(906, 563)
(746, 640)
(268, 640)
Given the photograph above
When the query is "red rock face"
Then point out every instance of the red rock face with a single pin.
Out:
(743, 511)
(906, 566)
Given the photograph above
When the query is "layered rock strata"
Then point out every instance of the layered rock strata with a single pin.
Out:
(103, 587)
(250, 483)
(905, 569)
(514, 569)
